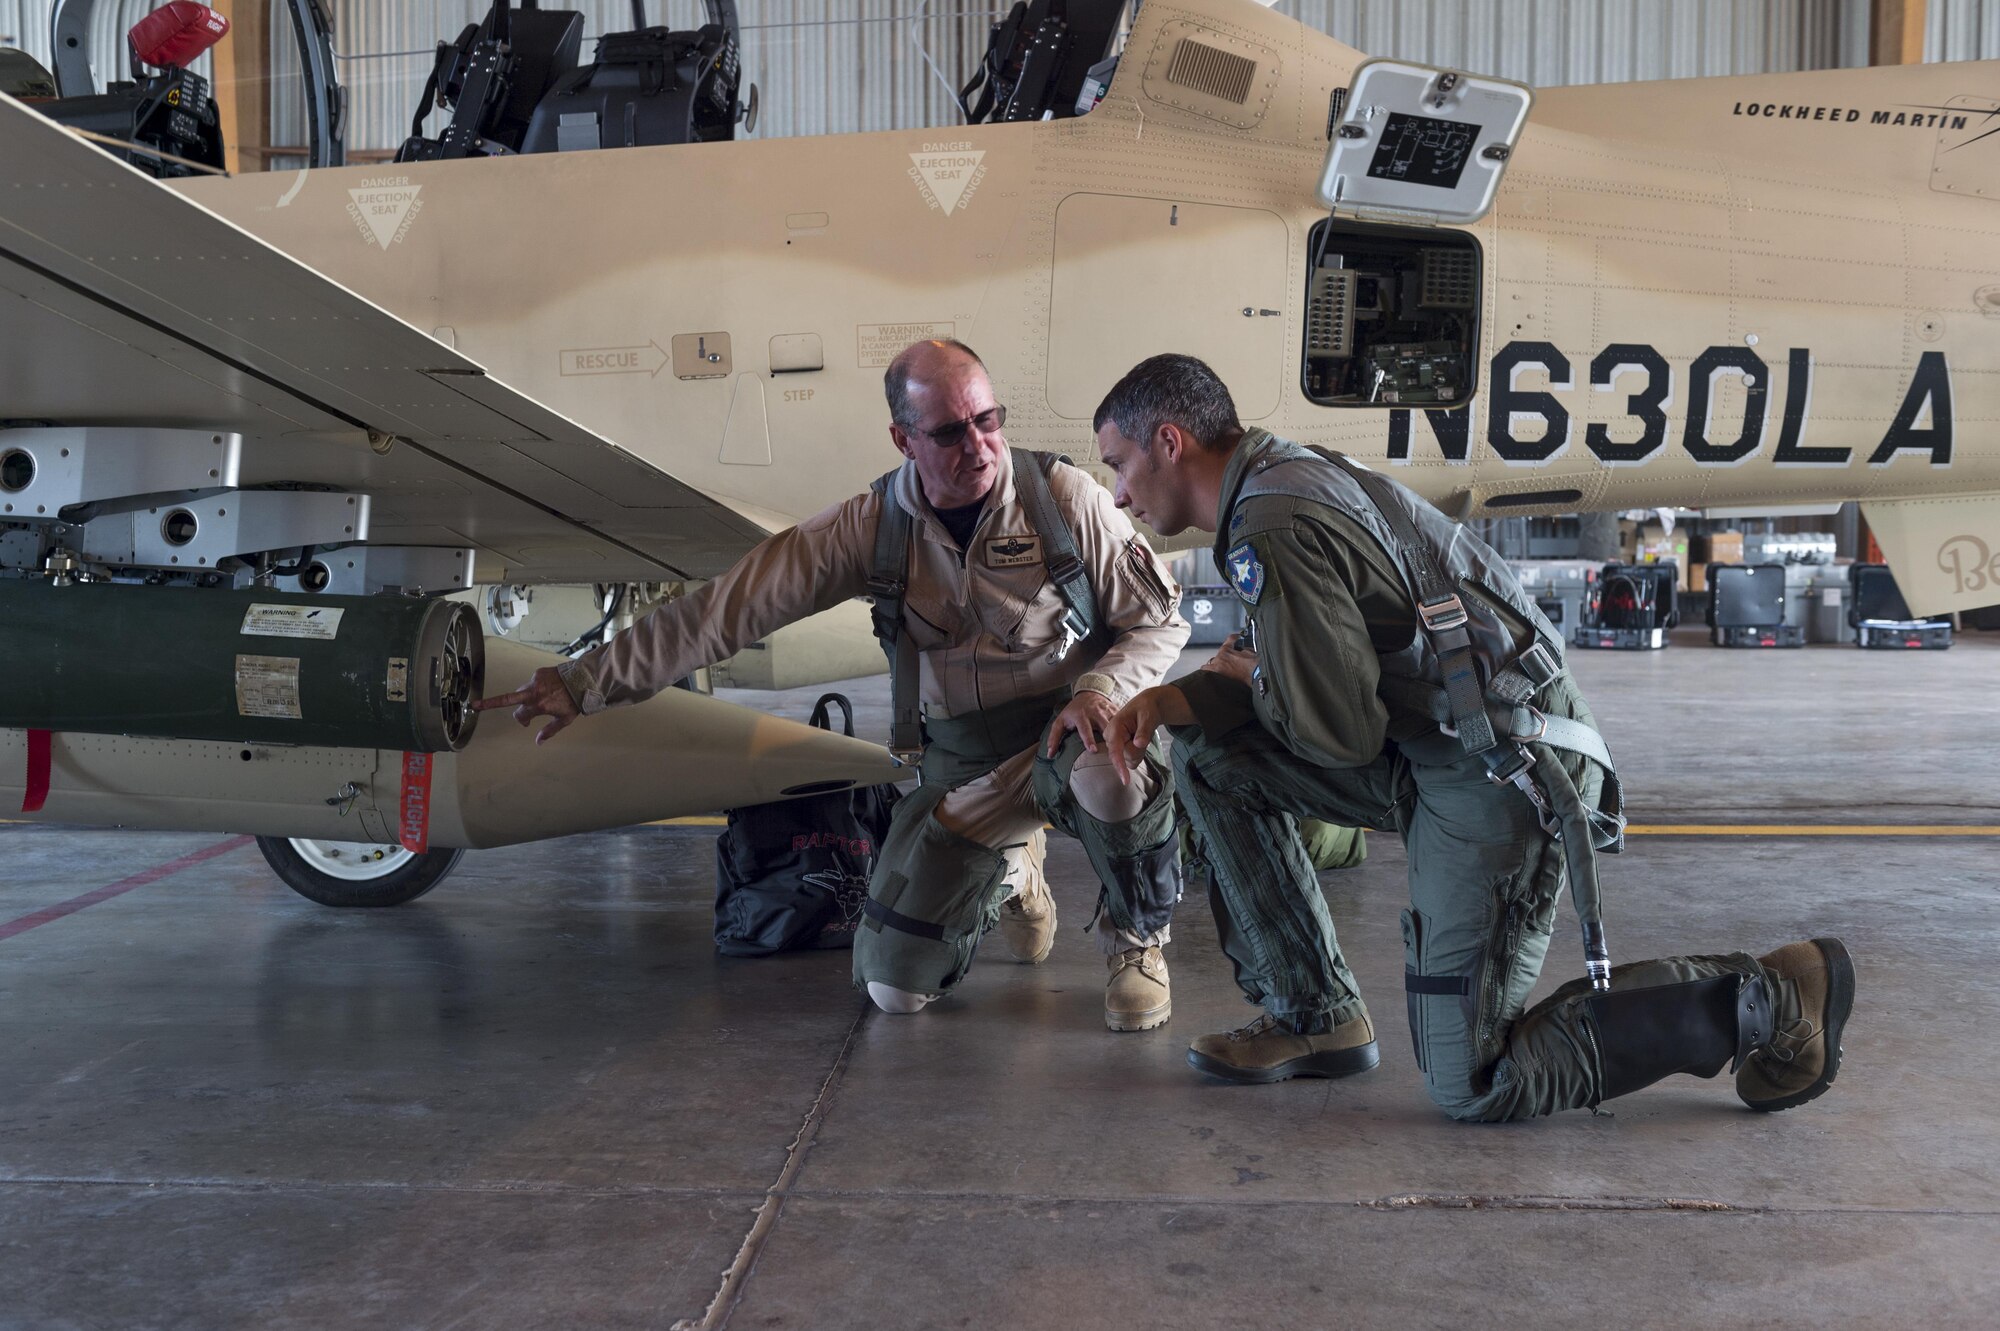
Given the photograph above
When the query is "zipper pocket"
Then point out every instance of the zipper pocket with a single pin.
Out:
(1499, 969)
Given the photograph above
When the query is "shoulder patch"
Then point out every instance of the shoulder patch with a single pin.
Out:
(1246, 572)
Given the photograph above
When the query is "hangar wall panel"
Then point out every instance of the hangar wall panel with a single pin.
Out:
(1553, 42)
(821, 66)
(1962, 30)
(840, 66)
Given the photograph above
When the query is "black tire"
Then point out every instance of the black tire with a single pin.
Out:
(404, 882)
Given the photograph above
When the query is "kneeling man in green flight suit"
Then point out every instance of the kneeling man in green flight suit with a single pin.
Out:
(1399, 678)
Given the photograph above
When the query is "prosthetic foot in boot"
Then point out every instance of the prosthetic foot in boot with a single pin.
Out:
(898, 1002)
(1816, 992)
(1028, 922)
(1137, 996)
(1695, 1026)
(1266, 1050)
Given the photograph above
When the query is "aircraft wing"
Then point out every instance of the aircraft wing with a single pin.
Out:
(126, 303)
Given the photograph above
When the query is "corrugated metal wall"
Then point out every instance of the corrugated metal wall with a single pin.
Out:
(1551, 42)
(821, 66)
(1962, 30)
(839, 66)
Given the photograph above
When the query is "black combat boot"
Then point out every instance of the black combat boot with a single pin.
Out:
(1695, 1026)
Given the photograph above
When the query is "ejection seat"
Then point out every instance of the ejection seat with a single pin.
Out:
(492, 78)
(650, 87)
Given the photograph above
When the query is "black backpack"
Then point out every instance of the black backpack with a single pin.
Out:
(794, 874)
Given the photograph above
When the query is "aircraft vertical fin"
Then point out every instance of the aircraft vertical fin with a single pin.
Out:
(1944, 550)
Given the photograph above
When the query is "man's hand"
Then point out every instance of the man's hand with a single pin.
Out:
(1131, 731)
(1087, 714)
(544, 695)
(1233, 660)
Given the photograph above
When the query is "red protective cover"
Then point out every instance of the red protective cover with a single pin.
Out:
(175, 33)
(39, 752)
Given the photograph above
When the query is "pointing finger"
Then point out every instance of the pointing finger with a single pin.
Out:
(514, 699)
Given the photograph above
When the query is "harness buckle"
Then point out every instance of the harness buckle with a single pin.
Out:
(1508, 771)
(1541, 728)
(906, 756)
(886, 587)
(1538, 664)
(1066, 570)
(1446, 614)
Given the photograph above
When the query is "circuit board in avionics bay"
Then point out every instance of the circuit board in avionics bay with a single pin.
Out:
(1392, 316)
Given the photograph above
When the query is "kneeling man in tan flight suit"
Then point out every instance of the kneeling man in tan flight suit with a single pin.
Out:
(1020, 612)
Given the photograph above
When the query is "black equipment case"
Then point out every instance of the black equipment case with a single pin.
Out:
(1881, 617)
(1631, 607)
(1746, 607)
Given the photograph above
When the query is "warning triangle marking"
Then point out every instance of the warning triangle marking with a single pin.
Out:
(384, 209)
(945, 176)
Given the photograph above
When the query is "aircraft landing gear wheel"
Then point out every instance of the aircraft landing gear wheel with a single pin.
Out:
(355, 873)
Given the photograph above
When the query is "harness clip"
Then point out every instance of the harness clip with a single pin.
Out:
(1072, 628)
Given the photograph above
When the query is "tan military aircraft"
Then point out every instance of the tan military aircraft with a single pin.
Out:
(627, 366)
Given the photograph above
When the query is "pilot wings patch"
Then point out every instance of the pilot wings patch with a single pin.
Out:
(1246, 572)
(1012, 551)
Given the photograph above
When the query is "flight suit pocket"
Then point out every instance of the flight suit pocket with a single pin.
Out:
(1139, 571)
(940, 883)
(1005, 594)
(1413, 964)
(1033, 622)
(931, 623)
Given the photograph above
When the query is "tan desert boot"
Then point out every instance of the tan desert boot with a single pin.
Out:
(1028, 922)
(1137, 996)
(1266, 1051)
(1815, 994)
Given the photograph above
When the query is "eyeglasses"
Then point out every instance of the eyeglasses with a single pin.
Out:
(952, 435)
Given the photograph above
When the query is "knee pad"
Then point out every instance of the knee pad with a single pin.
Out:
(927, 904)
(898, 1001)
(1094, 784)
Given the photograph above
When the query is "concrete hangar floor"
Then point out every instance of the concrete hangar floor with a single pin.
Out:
(537, 1097)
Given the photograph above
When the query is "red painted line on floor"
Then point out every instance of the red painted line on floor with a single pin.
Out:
(47, 914)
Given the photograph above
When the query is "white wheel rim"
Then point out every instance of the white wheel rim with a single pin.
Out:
(352, 861)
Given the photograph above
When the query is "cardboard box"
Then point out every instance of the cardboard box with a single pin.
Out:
(1697, 578)
(1654, 547)
(1719, 547)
